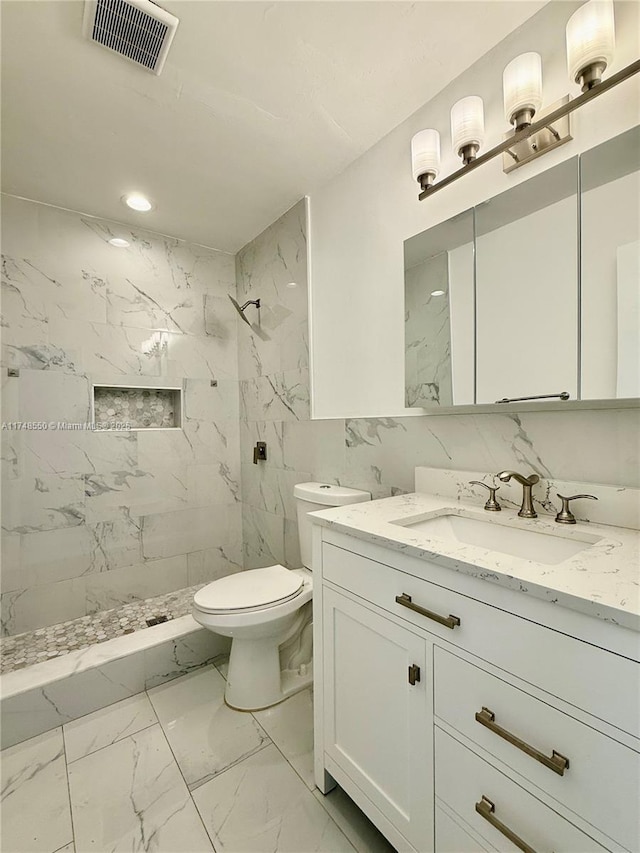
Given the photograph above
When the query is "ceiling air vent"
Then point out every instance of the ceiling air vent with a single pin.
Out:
(136, 29)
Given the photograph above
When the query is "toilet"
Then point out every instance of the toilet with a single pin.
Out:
(267, 613)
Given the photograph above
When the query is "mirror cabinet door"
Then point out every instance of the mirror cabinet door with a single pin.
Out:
(610, 247)
(527, 288)
(439, 321)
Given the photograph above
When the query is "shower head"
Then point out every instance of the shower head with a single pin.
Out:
(240, 308)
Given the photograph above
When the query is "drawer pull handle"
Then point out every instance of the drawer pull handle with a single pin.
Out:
(447, 621)
(558, 763)
(486, 809)
(414, 674)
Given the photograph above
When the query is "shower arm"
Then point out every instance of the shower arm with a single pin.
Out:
(255, 302)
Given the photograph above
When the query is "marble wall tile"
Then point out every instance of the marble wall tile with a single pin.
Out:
(35, 808)
(315, 446)
(270, 432)
(264, 269)
(11, 576)
(135, 582)
(204, 402)
(107, 496)
(277, 397)
(292, 557)
(55, 555)
(28, 608)
(77, 312)
(271, 489)
(171, 533)
(262, 536)
(212, 483)
(207, 566)
(78, 452)
(182, 655)
(42, 503)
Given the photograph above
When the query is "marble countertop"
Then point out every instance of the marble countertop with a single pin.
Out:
(603, 580)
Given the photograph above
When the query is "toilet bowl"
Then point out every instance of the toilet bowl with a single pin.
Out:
(267, 613)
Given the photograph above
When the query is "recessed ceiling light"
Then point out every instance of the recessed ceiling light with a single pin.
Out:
(136, 201)
(119, 242)
(437, 292)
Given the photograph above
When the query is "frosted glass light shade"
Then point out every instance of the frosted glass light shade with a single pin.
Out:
(467, 123)
(425, 153)
(590, 37)
(522, 85)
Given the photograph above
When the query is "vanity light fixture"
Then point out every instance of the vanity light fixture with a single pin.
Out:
(522, 89)
(590, 42)
(467, 128)
(590, 48)
(425, 157)
(136, 201)
(119, 243)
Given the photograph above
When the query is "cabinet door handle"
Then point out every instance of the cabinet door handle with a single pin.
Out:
(486, 809)
(414, 674)
(558, 763)
(447, 621)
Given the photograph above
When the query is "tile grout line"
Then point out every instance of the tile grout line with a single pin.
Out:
(113, 743)
(66, 770)
(312, 794)
(189, 793)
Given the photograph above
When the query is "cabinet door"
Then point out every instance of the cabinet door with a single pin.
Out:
(378, 725)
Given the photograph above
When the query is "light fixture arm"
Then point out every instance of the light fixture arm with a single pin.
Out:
(537, 126)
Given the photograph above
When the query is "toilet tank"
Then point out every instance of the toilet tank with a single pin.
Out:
(311, 497)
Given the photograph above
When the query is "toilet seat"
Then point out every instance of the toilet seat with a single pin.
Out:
(250, 591)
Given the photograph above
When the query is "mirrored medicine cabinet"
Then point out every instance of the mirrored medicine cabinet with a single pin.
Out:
(532, 298)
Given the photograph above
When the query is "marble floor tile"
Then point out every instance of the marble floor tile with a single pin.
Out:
(131, 796)
(221, 663)
(290, 727)
(108, 725)
(35, 811)
(260, 805)
(364, 836)
(206, 736)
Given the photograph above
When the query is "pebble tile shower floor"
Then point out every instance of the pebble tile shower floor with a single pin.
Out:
(45, 643)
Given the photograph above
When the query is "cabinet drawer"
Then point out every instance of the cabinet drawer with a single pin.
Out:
(601, 782)
(452, 838)
(464, 781)
(541, 656)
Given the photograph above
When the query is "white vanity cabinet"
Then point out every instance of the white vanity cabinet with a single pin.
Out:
(461, 716)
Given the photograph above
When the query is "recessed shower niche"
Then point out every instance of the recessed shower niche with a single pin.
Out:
(125, 407)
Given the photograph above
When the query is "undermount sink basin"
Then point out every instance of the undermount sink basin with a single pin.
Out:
(538, 545)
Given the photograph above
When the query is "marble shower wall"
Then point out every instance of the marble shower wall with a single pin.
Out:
(377, 454)
(92, 520)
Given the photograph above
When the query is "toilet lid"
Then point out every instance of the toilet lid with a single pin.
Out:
(249, 590)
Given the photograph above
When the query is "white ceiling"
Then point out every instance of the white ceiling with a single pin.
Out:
(258, 103)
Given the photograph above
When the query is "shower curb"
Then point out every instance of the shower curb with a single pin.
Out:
(48, 694)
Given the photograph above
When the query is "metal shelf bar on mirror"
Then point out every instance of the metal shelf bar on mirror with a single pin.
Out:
(537, 126)
(563, 395)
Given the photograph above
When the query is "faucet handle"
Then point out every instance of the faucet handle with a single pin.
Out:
(492, 504)
(565, 516)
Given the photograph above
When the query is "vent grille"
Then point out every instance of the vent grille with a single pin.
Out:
(136, 29)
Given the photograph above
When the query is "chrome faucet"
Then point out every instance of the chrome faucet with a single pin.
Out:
(526, 510)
